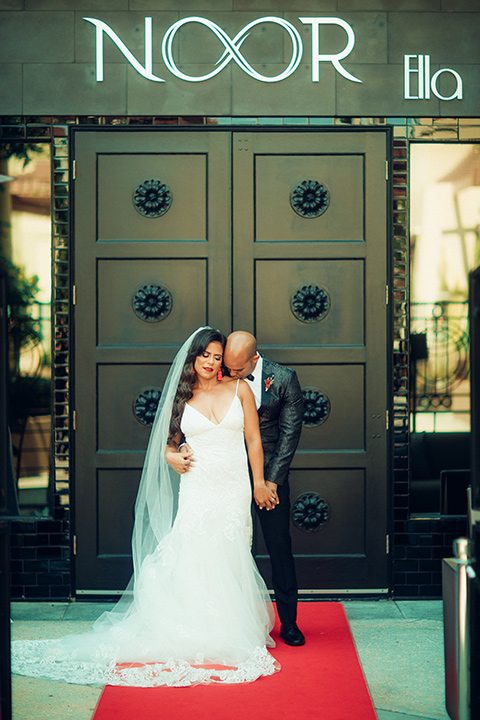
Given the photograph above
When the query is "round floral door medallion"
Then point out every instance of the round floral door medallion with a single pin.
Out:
(310, 198)
(152, 302)
(310, 303)
(152, 198)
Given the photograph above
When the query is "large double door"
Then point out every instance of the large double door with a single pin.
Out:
(283, 234)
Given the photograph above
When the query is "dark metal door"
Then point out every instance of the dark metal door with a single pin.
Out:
(152, 263)
(310, 268)
(153, 260)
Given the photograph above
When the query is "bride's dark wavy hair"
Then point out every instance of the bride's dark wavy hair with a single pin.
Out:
(187, 379)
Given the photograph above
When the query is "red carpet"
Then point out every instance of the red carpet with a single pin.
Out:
(321, 680)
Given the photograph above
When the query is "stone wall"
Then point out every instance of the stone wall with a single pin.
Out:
(47, 58)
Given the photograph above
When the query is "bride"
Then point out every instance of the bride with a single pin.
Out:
(196, 609)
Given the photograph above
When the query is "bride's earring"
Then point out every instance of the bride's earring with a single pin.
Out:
(219, 374)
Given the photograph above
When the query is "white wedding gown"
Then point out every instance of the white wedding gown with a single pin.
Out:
(199, 599)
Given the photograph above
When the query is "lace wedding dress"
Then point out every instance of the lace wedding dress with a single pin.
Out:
(198, 599)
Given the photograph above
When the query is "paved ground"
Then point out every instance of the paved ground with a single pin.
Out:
(400, 645)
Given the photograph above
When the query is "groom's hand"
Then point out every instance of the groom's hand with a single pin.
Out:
(273, 487)
(181, 460)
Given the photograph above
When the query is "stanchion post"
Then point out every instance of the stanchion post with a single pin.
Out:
(456, 630)
(5, 665)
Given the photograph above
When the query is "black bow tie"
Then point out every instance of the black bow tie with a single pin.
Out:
(250, 377)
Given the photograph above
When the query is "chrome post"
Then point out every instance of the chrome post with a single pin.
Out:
(456, 630)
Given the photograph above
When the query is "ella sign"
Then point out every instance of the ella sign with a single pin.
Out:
(425, 82)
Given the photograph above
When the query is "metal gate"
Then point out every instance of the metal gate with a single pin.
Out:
(280, 233)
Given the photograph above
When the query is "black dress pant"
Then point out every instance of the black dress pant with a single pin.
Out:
(276, 532)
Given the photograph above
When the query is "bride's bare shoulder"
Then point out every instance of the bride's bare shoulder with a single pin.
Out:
(230, 385)
(244, 389)
(227, 379)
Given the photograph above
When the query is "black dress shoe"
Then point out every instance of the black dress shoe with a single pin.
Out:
(291, 634)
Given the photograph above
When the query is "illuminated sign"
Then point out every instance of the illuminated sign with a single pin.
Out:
(232, 48)
(425, 83)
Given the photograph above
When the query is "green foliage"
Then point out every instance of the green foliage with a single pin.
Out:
(23, 329)
(21, 151)
(27, 394)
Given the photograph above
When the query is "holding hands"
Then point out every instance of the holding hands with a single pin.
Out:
(265, 495)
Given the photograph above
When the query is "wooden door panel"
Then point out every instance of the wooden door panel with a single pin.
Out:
(105, 559)
(133, 292)
(281, 177)
(126, 399)
(120, 177)
(334, 402)
(117, 490)
(309, 302)
(343, 493)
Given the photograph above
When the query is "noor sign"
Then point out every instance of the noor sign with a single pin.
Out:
(233, 51)
(232, 48)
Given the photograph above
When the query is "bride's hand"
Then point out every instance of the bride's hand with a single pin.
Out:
(264, 496)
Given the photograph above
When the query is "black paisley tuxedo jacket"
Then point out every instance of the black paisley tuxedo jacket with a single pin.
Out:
(280, 415)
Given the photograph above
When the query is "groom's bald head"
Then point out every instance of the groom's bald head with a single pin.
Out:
(242, 341)
(240, 355)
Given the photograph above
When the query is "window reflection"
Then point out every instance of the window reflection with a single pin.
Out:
(25, 252)
(445, 246)
(445, 221)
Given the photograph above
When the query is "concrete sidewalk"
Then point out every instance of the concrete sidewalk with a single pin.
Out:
(400, 645)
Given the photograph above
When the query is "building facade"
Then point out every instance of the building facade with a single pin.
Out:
(246, 165)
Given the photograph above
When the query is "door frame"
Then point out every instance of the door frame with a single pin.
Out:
(231, 129)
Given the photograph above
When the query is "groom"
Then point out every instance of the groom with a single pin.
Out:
(280, 410)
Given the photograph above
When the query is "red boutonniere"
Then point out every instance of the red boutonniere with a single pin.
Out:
(268, 382)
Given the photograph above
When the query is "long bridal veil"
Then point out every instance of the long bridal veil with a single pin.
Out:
(157, 494)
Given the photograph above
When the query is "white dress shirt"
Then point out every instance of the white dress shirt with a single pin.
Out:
(256, 383)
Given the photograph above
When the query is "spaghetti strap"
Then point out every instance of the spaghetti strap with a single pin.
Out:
(236, 389)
